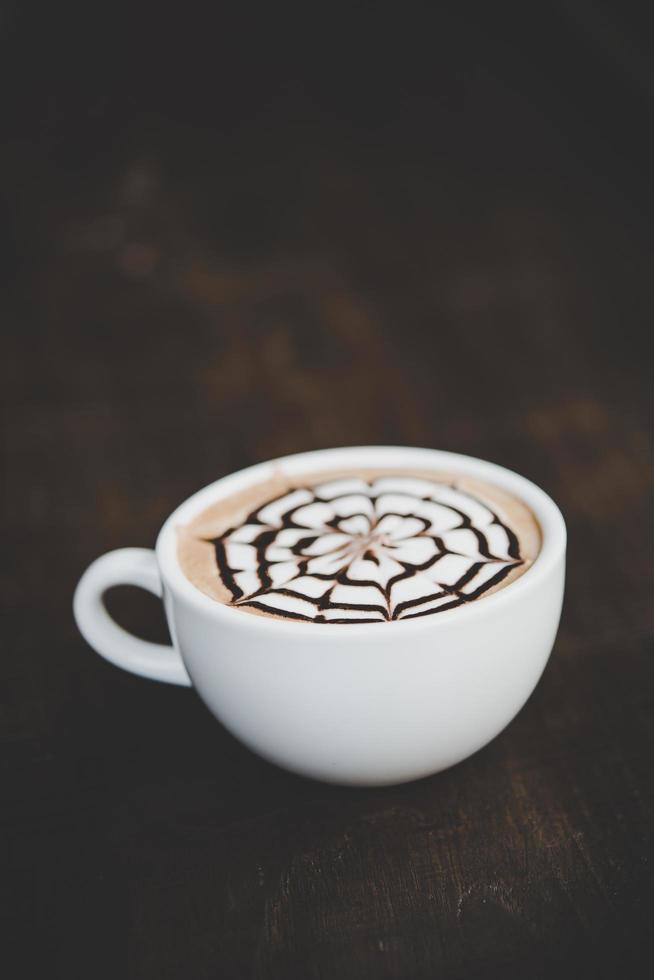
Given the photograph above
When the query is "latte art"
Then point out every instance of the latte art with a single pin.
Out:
(356, 550)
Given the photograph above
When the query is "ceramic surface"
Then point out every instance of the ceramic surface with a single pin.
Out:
(366, 704)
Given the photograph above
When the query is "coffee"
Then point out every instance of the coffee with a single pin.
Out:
(359, 546)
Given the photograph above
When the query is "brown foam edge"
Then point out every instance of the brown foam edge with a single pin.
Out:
(197, 556)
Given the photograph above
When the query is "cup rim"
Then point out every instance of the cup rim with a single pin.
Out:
(548, 515)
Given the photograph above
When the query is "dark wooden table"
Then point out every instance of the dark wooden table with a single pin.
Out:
(231, 243)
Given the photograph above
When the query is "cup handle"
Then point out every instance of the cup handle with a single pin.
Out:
(127, 566)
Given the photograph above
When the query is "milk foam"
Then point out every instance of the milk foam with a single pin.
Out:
(357, 550)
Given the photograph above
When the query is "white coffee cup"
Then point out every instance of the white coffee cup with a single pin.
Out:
(363, 703)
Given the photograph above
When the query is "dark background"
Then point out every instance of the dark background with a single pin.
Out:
(264, 230)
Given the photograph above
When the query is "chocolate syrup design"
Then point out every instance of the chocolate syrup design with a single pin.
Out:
(353, 551)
